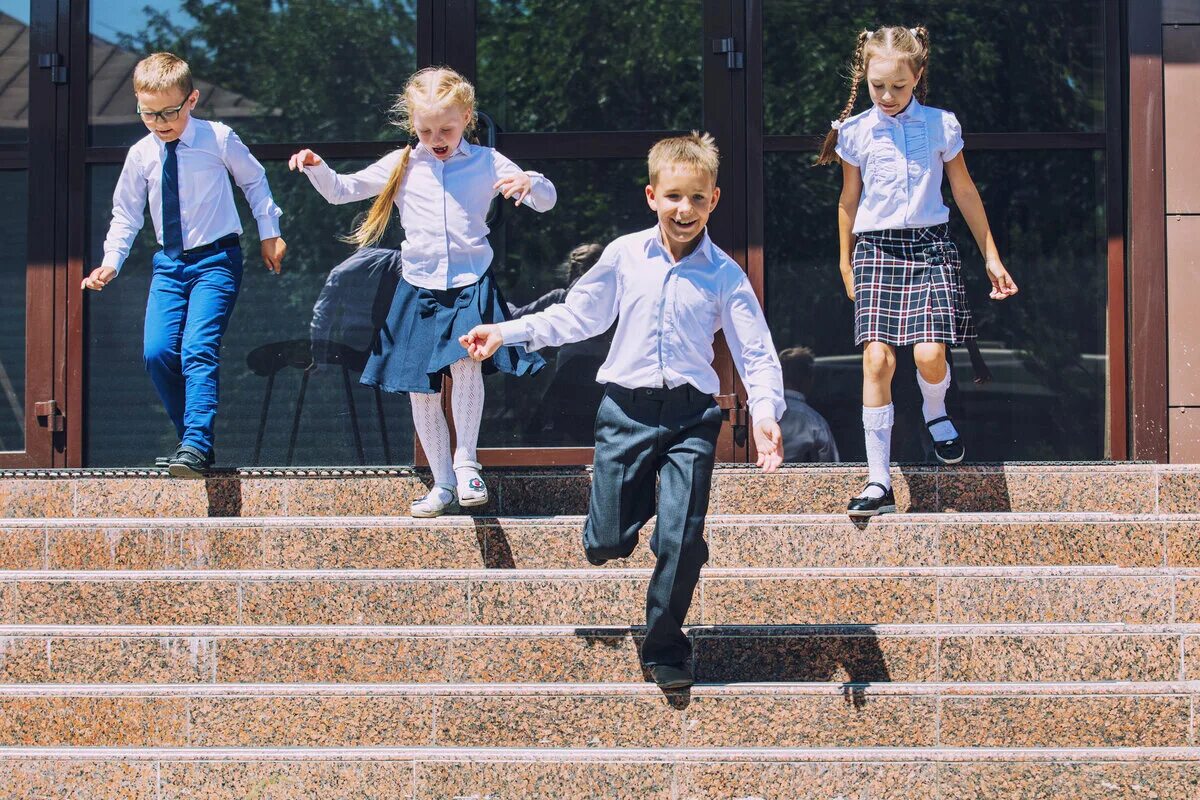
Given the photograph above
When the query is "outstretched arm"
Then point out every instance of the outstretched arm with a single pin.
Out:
(531, 188)
(966, 196)
(340, 189)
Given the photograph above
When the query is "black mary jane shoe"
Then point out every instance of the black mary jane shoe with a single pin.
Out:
(189, 462)
(948, 451)
(871, 506)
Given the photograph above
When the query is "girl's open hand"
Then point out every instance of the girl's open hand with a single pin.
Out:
(1003, 286)
(305, 158)
(482, 341)
(518, 186)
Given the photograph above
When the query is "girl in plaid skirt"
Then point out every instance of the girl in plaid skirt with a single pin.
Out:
(899, 264)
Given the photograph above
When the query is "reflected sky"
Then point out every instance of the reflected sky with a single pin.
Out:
(110, 19)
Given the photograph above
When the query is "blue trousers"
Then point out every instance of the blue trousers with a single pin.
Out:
(191, 299)
(642, 434)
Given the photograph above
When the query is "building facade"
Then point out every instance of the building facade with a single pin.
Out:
(1077, 115)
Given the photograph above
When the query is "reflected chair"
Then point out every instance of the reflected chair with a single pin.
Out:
(269, 360)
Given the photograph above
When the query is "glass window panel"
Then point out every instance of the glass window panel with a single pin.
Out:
(126, 423)
(1046, 347)
(1000, 65)
(598, 200)
(325, 70)
(14, 223)
(14, 70)
(562, 65)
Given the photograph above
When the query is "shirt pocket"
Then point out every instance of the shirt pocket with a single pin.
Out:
(696, 307)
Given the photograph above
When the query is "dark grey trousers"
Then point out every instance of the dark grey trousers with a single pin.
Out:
(641, 434)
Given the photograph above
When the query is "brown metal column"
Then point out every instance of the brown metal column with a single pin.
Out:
(1147, 274)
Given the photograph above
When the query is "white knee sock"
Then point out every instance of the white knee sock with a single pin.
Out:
(434, 434)
(933, 405)
(877, 427)
(467, 404)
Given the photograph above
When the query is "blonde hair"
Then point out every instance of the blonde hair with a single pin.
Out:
(429, 89)
(159, 72)
(696, 151)
(911, 44)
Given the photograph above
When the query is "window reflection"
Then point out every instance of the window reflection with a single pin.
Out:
(323, 70)
(14, 184)
(296, 339)
(1000, 65)
(564, 65)
(1046, 350)
(14, 72)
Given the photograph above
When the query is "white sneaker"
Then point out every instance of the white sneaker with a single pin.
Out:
(472, 491)
(440, 500)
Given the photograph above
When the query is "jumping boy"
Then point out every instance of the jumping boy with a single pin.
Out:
(182, 166)
(670, 290)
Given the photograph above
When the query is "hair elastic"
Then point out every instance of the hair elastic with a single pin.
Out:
(835, 124)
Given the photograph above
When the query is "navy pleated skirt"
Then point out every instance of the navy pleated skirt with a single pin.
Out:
(419, 340)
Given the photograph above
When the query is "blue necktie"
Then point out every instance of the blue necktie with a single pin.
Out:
(172, 224)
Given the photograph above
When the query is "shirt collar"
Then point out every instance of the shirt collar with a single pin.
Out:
(912, 112)
(705, 248)
(186, 138)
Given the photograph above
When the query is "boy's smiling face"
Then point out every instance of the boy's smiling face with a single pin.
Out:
(165, 101)
(683, 198)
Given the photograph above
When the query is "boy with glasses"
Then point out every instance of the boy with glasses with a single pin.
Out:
(182, 168)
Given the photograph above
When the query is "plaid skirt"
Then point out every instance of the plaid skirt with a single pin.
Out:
(908, 288)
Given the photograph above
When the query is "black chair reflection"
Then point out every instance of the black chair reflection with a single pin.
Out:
(270, 359)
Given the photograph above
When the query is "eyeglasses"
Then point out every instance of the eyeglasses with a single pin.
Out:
(166, 115)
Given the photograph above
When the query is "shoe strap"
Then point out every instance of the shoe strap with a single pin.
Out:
(932, 422)
(885, 489)
(187, 448)
(475, 465)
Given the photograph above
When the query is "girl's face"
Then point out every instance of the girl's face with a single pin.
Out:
(891, 82)
(440, 130)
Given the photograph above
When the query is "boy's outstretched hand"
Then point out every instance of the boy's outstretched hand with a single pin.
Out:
(482, 341)
(100, 277)
(768, 440)
(273, 250)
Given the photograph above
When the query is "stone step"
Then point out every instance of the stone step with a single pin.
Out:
(882, 595)
(398, 773)
(601, 715)
(900, 540)
(363, 654)
(1118, 488)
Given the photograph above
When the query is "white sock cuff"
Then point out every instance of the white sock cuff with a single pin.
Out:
(944, 383)
(875, 419)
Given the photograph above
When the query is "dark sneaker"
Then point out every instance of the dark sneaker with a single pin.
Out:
(189, 462)
(162, 462)
(672, 676)
(870, 506)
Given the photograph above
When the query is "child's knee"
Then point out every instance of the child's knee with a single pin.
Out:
(158, 354)
(879, 360)
(929, 355)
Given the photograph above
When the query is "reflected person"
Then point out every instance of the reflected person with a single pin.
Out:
(807, 438)
(353, 305)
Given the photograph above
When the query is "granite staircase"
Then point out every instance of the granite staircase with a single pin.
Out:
(1023, 631)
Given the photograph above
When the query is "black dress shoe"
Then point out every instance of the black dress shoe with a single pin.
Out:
(949, 451)
(870, 506)
(595, 561)
(672, 676)
(190, 462)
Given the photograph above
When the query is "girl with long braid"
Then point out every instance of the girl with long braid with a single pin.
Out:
(443, 187)
(899, 265)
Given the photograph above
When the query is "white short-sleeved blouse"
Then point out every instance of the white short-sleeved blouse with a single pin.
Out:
(901, 159)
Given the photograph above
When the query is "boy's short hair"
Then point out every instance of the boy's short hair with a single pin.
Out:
(696, 150)
(798, 364)
(162, 71)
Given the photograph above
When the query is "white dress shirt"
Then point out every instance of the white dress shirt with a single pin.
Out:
(901, 159)
(667, 313)
(443, 208)
(208, 153)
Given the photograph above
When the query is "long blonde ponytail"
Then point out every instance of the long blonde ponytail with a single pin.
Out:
(428, 89)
